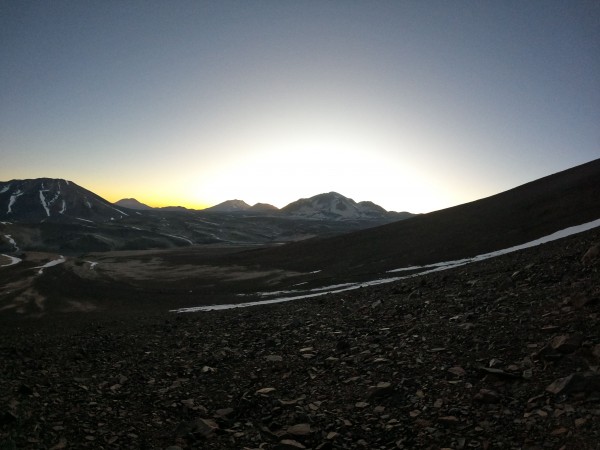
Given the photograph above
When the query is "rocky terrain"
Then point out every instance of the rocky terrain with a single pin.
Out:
(500, 354)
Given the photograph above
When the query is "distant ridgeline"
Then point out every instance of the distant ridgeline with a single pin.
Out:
(57, 215)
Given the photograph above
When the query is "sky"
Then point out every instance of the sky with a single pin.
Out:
(414, 105)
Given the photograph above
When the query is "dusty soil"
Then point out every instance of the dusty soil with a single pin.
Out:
(502, 354)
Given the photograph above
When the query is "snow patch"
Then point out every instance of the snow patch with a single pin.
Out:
(52, 263)
(44, 204)
(117, 210)
(13, 199)
(85, 220)
(11, 242)
(92, 264)
(179, 237)
(64, 207)
(5, 188)
(13, 261)
(88, 204)
(429, 268)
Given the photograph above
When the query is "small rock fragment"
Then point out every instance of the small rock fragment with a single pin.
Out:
(566, 343)
(290, 444)
(592, 254)
(382, 389)
(487, 396)
(458, 371)
(449, 420)
(205, 427)
(300, 429)
(265, 391)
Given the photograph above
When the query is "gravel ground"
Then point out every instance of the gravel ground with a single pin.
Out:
(502, 354)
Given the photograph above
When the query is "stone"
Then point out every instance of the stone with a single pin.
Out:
(566, 343)
(300, 429)
(205, 427)
(458, 371)
(487, 396)
(382, 389)
(224, 412)
(591, 254)
(449, 420)
(265, 391)
(291, 444)
(576, 382)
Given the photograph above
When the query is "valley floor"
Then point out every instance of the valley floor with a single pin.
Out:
(500, 354)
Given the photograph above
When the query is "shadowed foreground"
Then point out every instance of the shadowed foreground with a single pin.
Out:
(501, 354)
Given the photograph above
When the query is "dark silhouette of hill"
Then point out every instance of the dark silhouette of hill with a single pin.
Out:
(512, 217)
(53, 200)
(132, 203)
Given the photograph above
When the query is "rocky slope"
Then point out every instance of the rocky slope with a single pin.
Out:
(501, 354)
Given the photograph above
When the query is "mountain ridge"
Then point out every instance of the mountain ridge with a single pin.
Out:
(325, 206)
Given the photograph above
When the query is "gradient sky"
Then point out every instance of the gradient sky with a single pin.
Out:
(415, 105)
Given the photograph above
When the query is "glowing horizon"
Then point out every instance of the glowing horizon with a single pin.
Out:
(415, 106)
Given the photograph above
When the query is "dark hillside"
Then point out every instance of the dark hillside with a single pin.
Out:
(535, 209)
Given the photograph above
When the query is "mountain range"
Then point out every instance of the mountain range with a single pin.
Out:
(58, 215)
(326, 206)
(327, 230)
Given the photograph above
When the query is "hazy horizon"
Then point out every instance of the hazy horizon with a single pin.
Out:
(415, 106)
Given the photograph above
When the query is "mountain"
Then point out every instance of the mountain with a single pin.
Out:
(132, 203)
(229, 206)
(263, 207)
(334, 206)
(53, 200)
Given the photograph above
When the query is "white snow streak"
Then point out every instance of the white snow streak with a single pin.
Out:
(54, 262)
(13, 199)
(85, 220)
(64, 207)
(437, 267)
(93, 264)
(551, 237)
(118, 210)
(13, 261)
(179, 237)
(5, 188)
(44, 204)
(11, 241)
